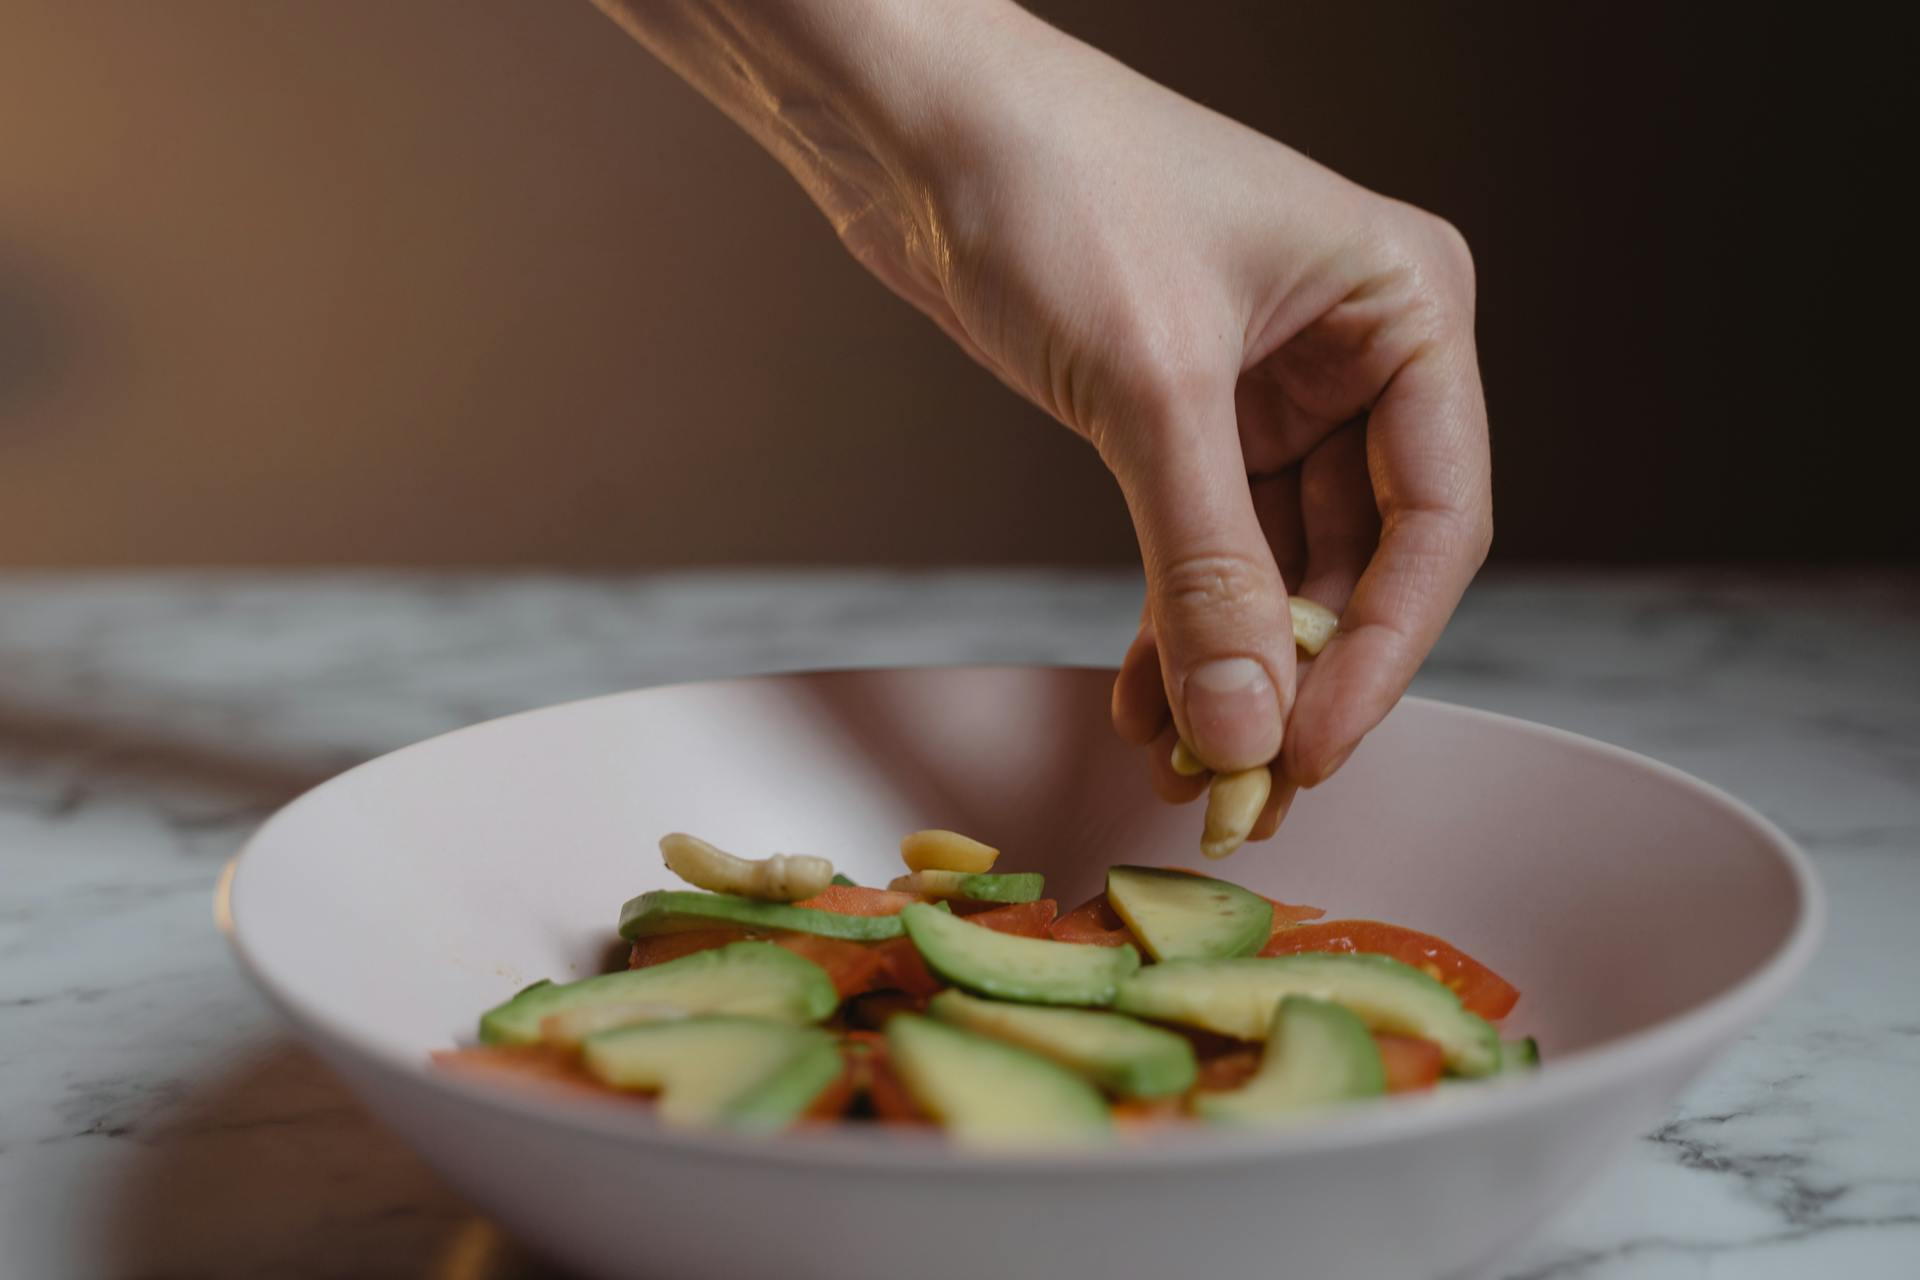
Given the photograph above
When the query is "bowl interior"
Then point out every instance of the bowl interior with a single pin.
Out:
(396, 902)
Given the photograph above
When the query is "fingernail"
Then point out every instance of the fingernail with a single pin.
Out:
(1233, 717)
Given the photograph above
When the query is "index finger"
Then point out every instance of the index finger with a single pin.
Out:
(1427, 454)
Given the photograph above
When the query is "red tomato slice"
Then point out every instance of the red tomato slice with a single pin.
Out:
(1228, 1070)
(853, 900)
(838, 1096)
(1028, 919)
(1480, 989)
(892, 1104)
(1411, 1063)
(1094, 923)
(1286, 914)
(853, 966)
(905, 970)
(662, 947)
(1146, 1113)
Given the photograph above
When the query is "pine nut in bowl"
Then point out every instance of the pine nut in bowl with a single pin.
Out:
(1645, 918)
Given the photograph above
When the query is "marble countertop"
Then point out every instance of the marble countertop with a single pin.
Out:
(157, 1120)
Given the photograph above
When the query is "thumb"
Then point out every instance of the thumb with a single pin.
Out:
(1218, 605)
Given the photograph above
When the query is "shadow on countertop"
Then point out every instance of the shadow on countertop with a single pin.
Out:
(271, 1168)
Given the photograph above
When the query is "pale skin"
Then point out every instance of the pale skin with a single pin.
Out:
(1276, 364)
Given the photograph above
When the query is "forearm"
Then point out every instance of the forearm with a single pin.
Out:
(856, 98)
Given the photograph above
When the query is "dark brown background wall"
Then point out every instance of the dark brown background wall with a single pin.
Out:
(474, 281)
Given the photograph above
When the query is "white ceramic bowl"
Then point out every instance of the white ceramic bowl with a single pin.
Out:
(1647, 918)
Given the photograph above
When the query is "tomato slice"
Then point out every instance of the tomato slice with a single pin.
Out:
(1028, 919)
(846, 899)
(903, 969)
(892, 1104)
(1411, 1063)
(1093, 923)
(833, 1101)
(855, 900)
(853, 966)
(1480, 989)
(1227, 1070)
(1287, 914)
(662, 947)
(1146, 1113)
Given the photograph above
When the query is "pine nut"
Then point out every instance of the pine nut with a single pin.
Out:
(1234, 802)
(947, 851)
(1313, 624)
(784, 877)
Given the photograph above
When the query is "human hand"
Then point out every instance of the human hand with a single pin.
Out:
(1277, 365)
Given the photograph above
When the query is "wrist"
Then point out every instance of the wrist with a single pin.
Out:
(866, 102)
(926, 85)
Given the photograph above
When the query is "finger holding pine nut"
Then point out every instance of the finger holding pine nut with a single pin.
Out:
(1234, 800)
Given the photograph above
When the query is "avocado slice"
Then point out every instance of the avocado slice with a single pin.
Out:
(1178, 916)
(744, 1073)
(1237, 998)
(844, 880)
(1024, 886)
(1317, 1053)
(989, 1093)
(781, 1098)
(1518, 1057)
(678, 910)
(755, 979)
(1015, 968)
(1121, 1054)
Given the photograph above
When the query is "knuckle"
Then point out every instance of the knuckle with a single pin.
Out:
(1435, 255)
(1452, 250)
(1138, 390)
(1482, 535)
(1212, 584)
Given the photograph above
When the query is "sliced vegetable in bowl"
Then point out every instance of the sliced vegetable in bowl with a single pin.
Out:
(1186, 917)
(960, 997)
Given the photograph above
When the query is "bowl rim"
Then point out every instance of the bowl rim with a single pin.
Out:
(1669, 1043)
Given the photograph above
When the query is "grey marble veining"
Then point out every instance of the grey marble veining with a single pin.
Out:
(156, 1120)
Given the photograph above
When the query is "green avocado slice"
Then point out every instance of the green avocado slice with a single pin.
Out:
(1317, 1053)
(1024, 886)
(1178, 916)
(742, 1073)
(988, 1093)
(754, 979)
(1120, 1054)
(680, 910)
(1036, 970)
(1237, 998)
